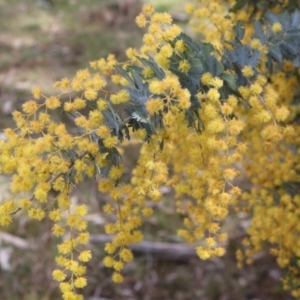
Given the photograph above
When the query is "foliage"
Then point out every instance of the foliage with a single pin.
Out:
(201, 109)
(258, 6)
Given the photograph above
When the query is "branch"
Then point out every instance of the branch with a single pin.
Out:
(160, 251)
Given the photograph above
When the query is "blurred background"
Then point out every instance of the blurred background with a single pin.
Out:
(41, 42)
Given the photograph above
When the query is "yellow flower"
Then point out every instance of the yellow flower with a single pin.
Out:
(81, 270)
(90, 94)
(126, 255)
(206, 78)
(117, 277)
(108, 209)
(5, 220)
(282, 113)
(149, 39)
(229, 173)
(79, 104)
(59, 275)
(141, 20)
(60, 183)
(180, 46)
(41, 191)
(189, 8)
(171, 33)
(55, 215)
(256, 89)
(36, 126)
(110, 228)
(65, 287)
(121, 97)
(216, 82)
(154, 29)
(245, 91)
(77, 84)
(223, 237)
(148, 10)
(110, 248)
(81, 121)
(131, 53)
(210, 242)
(166, 50)
(263, 116)
(156, 87)
(101, 104)
(155, 195)
(147, 212)
(36, 213)
(52, 103)
(203, 253)
(219, 251)
(271, 132)
(184, 66)
(227, 109)
(213, 227)
(25, 203)
(103, 132)
(36, 92)
(148, 72)
(80, 282)
(71, 296)
(83, 238)
(276, 27)
(154, 106)
(66, 247)
(184, 99)
(64, 84)
(216, 125)
(110, 142)
(108, 262)
(213, 95)
(58, 230)
(161, 18)
(96, 118)
(82, 74)
(163, 61)
(116, 172)
(44, 118)
(72, 220)
(72, 265)
(30, 107)
(105, 185)
(248, 71)
(255, 44)
(118, 266)
(81, 210)
(81, 225)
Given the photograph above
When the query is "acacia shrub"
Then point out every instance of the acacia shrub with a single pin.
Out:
(200, 108)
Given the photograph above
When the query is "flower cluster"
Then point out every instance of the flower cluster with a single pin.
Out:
(199, 127)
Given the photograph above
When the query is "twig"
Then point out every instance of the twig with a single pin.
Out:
(161, 251)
